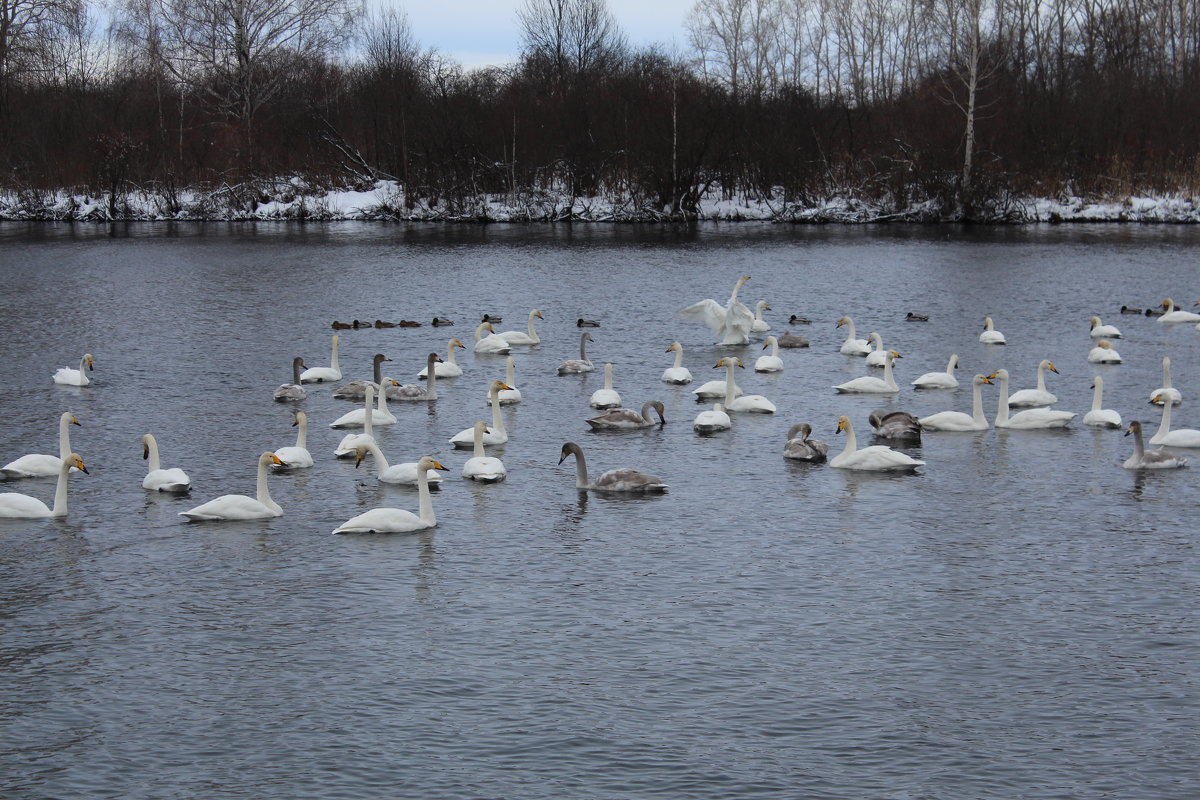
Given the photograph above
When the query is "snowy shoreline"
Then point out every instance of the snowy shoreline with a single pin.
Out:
(385, 201)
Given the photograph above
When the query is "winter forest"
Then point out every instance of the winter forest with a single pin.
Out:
(916, 109)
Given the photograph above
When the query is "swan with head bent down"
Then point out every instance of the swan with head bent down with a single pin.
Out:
(623, 419)
(523, 337)
(482, 467)
(321, 374)
(575, 366)
(37, 465)
(76, 377)
(1038, 396)
(800, 448)
(677, 373)
(292, 391)
(940, 380)
(747, 403)
(731, 322)
(1030, 418)
(174, 480)
(496, 434)
(1103, 353)
(853, 346)
(606, 397)
(1181, 437)
(957, 420)
(491, 343)
(876, 458)
(1099, 417)
(356, 390)
(398, 520)
(1150, 459)
(406, 473)
(296, 456)
(240, 506)
(14, 505)
(447, 367)
(615, 480)
(869, 384)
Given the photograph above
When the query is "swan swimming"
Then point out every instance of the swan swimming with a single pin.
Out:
(492, 343)
(447, 367)
(628, 419)
(414, 392)
(174, 480)
(990, 335)
(750, 403)
(1038, 396)
(1166, 391)
(292, 391)
(800, 448)
(1181, 437)
(678, 373)
(606, 397)
(378, 415)
(732, 322)
(321, 374)
(496, 433)
(712, 420)
(772, 362)
(1172, 314)
(523, 337)
(614, 480)
(407, 473)
(957, 420)
(356, 390)
(869, 384)
(398, 520)
(511, 395)
(852, 346)
(1102, 331)
(14, 505)
(574, 366)
(1099, 417)
(76, 377)
(895, 425)
(240, 506)
(37, 465)
(482, 467)
(1031, 418)
(1150, 459)
(296, 456)
(876, 458)
(1103, 353)
(350, 441)
(940, 380)
(760, 325)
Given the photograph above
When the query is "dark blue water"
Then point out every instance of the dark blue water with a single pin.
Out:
(1018, 619)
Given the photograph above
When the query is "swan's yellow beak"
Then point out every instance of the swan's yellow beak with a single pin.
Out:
(767, 306)
(437, 464)
(986, 379)
(896, 355)
(276, 460)
(91, 365)
(841, 322)
(841, 426)
(358, 457)
(77, 463)
(538, 314)
(394, 382)
(488, 327)
(1157, 398)
(457, 343)
(75, 421)
(993, 375)
(503, 386)
(1054, 369)
(740, 364)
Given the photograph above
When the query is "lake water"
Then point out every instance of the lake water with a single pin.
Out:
(1018, 619)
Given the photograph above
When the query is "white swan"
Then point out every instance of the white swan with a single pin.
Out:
(511, 395)
(350, 441)
(615, 480)
(1182, 437)
(1166, 391)
(321, 374)
(715, 419)
(414, 392)
(800, 448)
(240, 506)
(447, 367)
(1150, 459)
(1038, 396)
(398, 520)
(772, 362)
(677, 373)
(407, 473)
(869, 384)
(940, 380)
(37, 465)
(490, 343)
(852, 346)
(574, 366)
(292, 391)
(713, 390)
(1100, 417)
(297, 456)
(157, 479)
(876, 458)
(378, 415)
(522, 337)
(878, 356)
(21, 506)
(627, 418)
(1102, 331)
(1103, 353)
(496, 433)
(731, 322)
(606, 397)
(760, 325)
(957, 420)
(746, 403)
(1029, 419)
(1172, 314)
(75, 377)
(990, 335)
(356, 390)
(482, 467)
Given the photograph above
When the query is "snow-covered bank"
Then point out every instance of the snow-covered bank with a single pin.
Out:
(292, 200)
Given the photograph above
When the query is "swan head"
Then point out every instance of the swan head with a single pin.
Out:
(88, 359)
(842, 321)
(536, 313)
(741, 281)
(982, 379)
(434, 358)
(457, 343)
(1104, 344)
(392, 381)
(568, 449)
(729, 361)
(802, 428)
(1094, 322)
(1048, 364)
(480, 426)
(1158, 398)
(74, 420)
(146, 440)
(770, 340)
(1097, 381)
(427, 463)
(674, 346)
(843, 424)
(299, 417)
(75, 460)
(586, 337)
(988, 324)
(1000, 374)
(876, 338)
(380, 358)
(1168, 303)
(499, 386)
(1134, 427)
(762, 305)
(360, 453)
(270, 458)
(892, 355)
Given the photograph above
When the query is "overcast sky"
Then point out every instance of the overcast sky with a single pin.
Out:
(479, 32)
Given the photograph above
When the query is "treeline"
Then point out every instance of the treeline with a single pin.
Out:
(951, 106)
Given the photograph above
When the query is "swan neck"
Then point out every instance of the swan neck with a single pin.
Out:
(1096, 396)
(296, 372)
(887, 374)
(583, 349)
(1002, 403)
(60, 490)
(450, 355)
(1139, 448)
(1041, 383)
(262, 493)
(333, 358)
(479, 451)
(151, 443)
(581, 476)
(302, 434)
(851, 440)
(977, 404)
(679, 358)
(850, 332)
(381, 462)
(1166, 374)
(64, 440)
(608, 377)
(730, 386)
(426, 502)
(774, 347)
(380, 401)
(951, 364)
(510, 372)
(497, 420)
(479, 331)
(532, 332)
(377, 373)
(430, 379)
(368, 422)
(1164, 425)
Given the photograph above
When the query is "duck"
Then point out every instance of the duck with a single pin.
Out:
(731, 322)
(511, 395)
(14, 505)
(606, 397)
(1031, 418)
(712, 420)
(575, 366)
(482, 467)
(38, 465)
(760, 325)
(296, 456)
(398, 520)
(496, 433)
(789, 339)
(1182, 437)
(800, 448)
(586, 323)
(869, 384)
(293, 391)
(1101, 331)
(615, 480)
(378, 415)
(341, 326)
(381, 324)
(408, 323)
(913, 317)
(415, 392)
(878, 356)
(1172, 314)
(357, 324)
(677, 374)
(798, 320)
(350, 441)
(172, 481)
(1099, 417)
(940, 380)
(990, 335)
(852, 346)
(1154, 312)
(1103, 353)
(1150, 459)
(899, 425)
(321, 374)
(1128, 310)
(876, 458)
(772, 362)
(491, 318)
(1038, 396)
(447, 367)
(356, 390)
(734, 400)
(240, 506)
(406, 474)
(621, 419)
(524, 337)
(441, 322)
(957, 420)
(490, 343)
(76, 377)
(1166, 391)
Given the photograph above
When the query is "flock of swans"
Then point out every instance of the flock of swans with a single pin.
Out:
(732, 323)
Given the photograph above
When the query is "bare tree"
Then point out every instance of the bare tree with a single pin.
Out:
(29, 32)
(574, 36)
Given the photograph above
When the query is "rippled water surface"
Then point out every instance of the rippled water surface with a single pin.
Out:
(1018, 619)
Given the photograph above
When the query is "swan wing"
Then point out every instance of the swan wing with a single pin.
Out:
(32, 465)
(167, 480)
(230, 506)
(710, 312)
(21, 506)
(628, 480)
